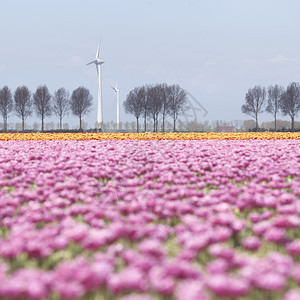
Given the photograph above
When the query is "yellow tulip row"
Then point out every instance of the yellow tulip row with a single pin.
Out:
(151, 136)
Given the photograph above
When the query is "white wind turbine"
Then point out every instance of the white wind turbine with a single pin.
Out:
(115, 88)
(98, 62)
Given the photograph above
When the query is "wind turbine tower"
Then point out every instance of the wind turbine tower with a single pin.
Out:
(115, 88)
(98, 62)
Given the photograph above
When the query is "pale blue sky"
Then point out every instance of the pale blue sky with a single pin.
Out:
(215, 49)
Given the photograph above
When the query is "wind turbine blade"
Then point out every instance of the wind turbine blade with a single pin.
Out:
(97, 53)
(99, 46)
(92, 62)
(100, 41)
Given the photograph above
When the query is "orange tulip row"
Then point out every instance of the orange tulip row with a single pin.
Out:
(150, 136)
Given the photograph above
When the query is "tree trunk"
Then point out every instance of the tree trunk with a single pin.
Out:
(174, 127)
(42, 123)
(137, 125)
(5, 123)
(145, 121)
(256, 123)
(292, 118)
(275, 123)
(60, 123)
(23, 123)
(154, 123)
(80, 123)
(163, 124)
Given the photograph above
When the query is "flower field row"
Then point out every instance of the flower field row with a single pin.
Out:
(151, 136)
(131, 219)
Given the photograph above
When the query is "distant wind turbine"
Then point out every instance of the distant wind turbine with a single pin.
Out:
(115, 88)
(98, 62)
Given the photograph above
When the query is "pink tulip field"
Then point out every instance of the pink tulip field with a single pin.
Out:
(153, 219)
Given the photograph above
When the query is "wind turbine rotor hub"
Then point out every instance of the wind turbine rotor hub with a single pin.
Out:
(99, 61)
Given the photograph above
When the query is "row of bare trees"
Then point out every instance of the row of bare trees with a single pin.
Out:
(23, 103)
(154, 101)
(274, 100)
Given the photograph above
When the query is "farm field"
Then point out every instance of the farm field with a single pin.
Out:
(150, 216)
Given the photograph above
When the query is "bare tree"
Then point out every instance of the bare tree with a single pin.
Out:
(23, 103)
(165, 103)
(61, 104)
(238, 124)
(255, 100)
(6, 104)
(290, 104)
(144, 97)
(248, 124)
(42, 103)
(134, 104)
(177, 102)
(81, 103)
(274, 101)
(155, 103)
